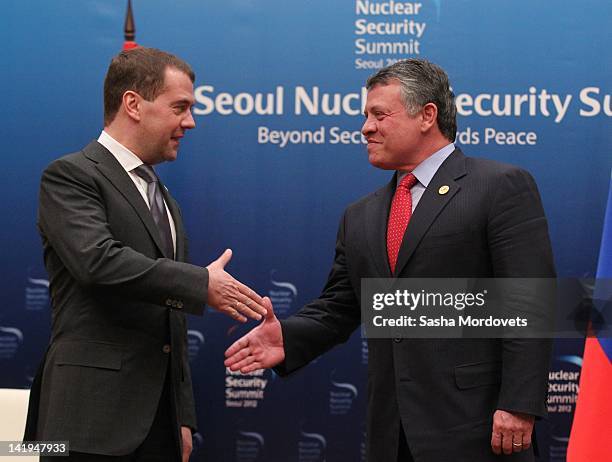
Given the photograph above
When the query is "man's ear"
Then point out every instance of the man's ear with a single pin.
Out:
(131, 104)
(429, 115)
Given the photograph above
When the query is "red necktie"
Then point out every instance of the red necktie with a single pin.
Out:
(399, 216)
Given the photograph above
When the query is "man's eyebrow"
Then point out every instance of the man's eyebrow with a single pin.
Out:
(187, 101)
(375, 108)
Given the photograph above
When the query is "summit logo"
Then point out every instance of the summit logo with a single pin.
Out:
(312, 447)
(249, 446)
(10, 340)
(283, 295)
(341, 397)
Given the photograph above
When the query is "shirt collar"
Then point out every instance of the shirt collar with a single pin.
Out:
(128, 160)
(426, 170)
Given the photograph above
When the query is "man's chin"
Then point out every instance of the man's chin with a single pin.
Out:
(171, 155)
(379, 163)
(168, 158)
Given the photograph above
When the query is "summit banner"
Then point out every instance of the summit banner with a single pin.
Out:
(277, 155)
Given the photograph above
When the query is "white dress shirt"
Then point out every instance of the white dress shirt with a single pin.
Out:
(425, 171)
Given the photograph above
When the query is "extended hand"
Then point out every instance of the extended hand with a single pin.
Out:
(187, 443)
(230, 296)
(511, 432)
(259, 349)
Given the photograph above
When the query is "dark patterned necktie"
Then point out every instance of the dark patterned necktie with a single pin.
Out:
(157, 206)
(399, 216)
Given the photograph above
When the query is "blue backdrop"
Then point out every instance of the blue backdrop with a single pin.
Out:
(267, 172)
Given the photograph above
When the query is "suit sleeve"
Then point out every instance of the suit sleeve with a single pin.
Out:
(520, 248)
(326, 321)
(188, 412)
(72, 218)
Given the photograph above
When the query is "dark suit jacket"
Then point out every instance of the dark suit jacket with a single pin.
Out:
(444, 391)
(117, 319)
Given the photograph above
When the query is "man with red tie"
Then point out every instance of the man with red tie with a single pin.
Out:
(442, 215)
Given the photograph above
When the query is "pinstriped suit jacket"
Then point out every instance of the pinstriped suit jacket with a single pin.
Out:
(443, 392)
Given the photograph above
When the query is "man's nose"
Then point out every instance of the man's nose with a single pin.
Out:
(369, 127)
(188, 121)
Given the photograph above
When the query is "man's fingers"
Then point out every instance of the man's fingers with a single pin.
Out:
(496, 443)
(243, 363)
(233, 360)
(237, 357)
(252, 299)
(230, 296)
(249, 293)
(255, 366)
(526, 441)
(513, 430)
(248, 308)
(507, 443)
(517, 442)
(233, 313)
(235, 347)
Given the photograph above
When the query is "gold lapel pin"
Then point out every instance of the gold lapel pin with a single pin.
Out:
(443, 190)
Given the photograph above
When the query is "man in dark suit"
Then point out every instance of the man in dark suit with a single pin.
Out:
(115, 381)
(442, 215)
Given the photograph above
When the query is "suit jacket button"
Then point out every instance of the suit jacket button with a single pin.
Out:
(166, 348)
(397, 340)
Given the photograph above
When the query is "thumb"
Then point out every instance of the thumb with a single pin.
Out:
(224, 258)
(267, 303)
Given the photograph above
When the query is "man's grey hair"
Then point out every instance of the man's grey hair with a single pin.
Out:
(422, 82)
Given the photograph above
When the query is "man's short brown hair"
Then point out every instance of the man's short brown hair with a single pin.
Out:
(141, 70)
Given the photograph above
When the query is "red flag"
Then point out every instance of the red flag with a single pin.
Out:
(591, 435)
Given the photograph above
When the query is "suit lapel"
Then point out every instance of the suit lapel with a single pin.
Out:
(114, 172)
(377, 214)
(430, 205)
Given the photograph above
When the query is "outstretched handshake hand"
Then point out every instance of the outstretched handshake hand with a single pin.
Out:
(230, 296)
(261, 348)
